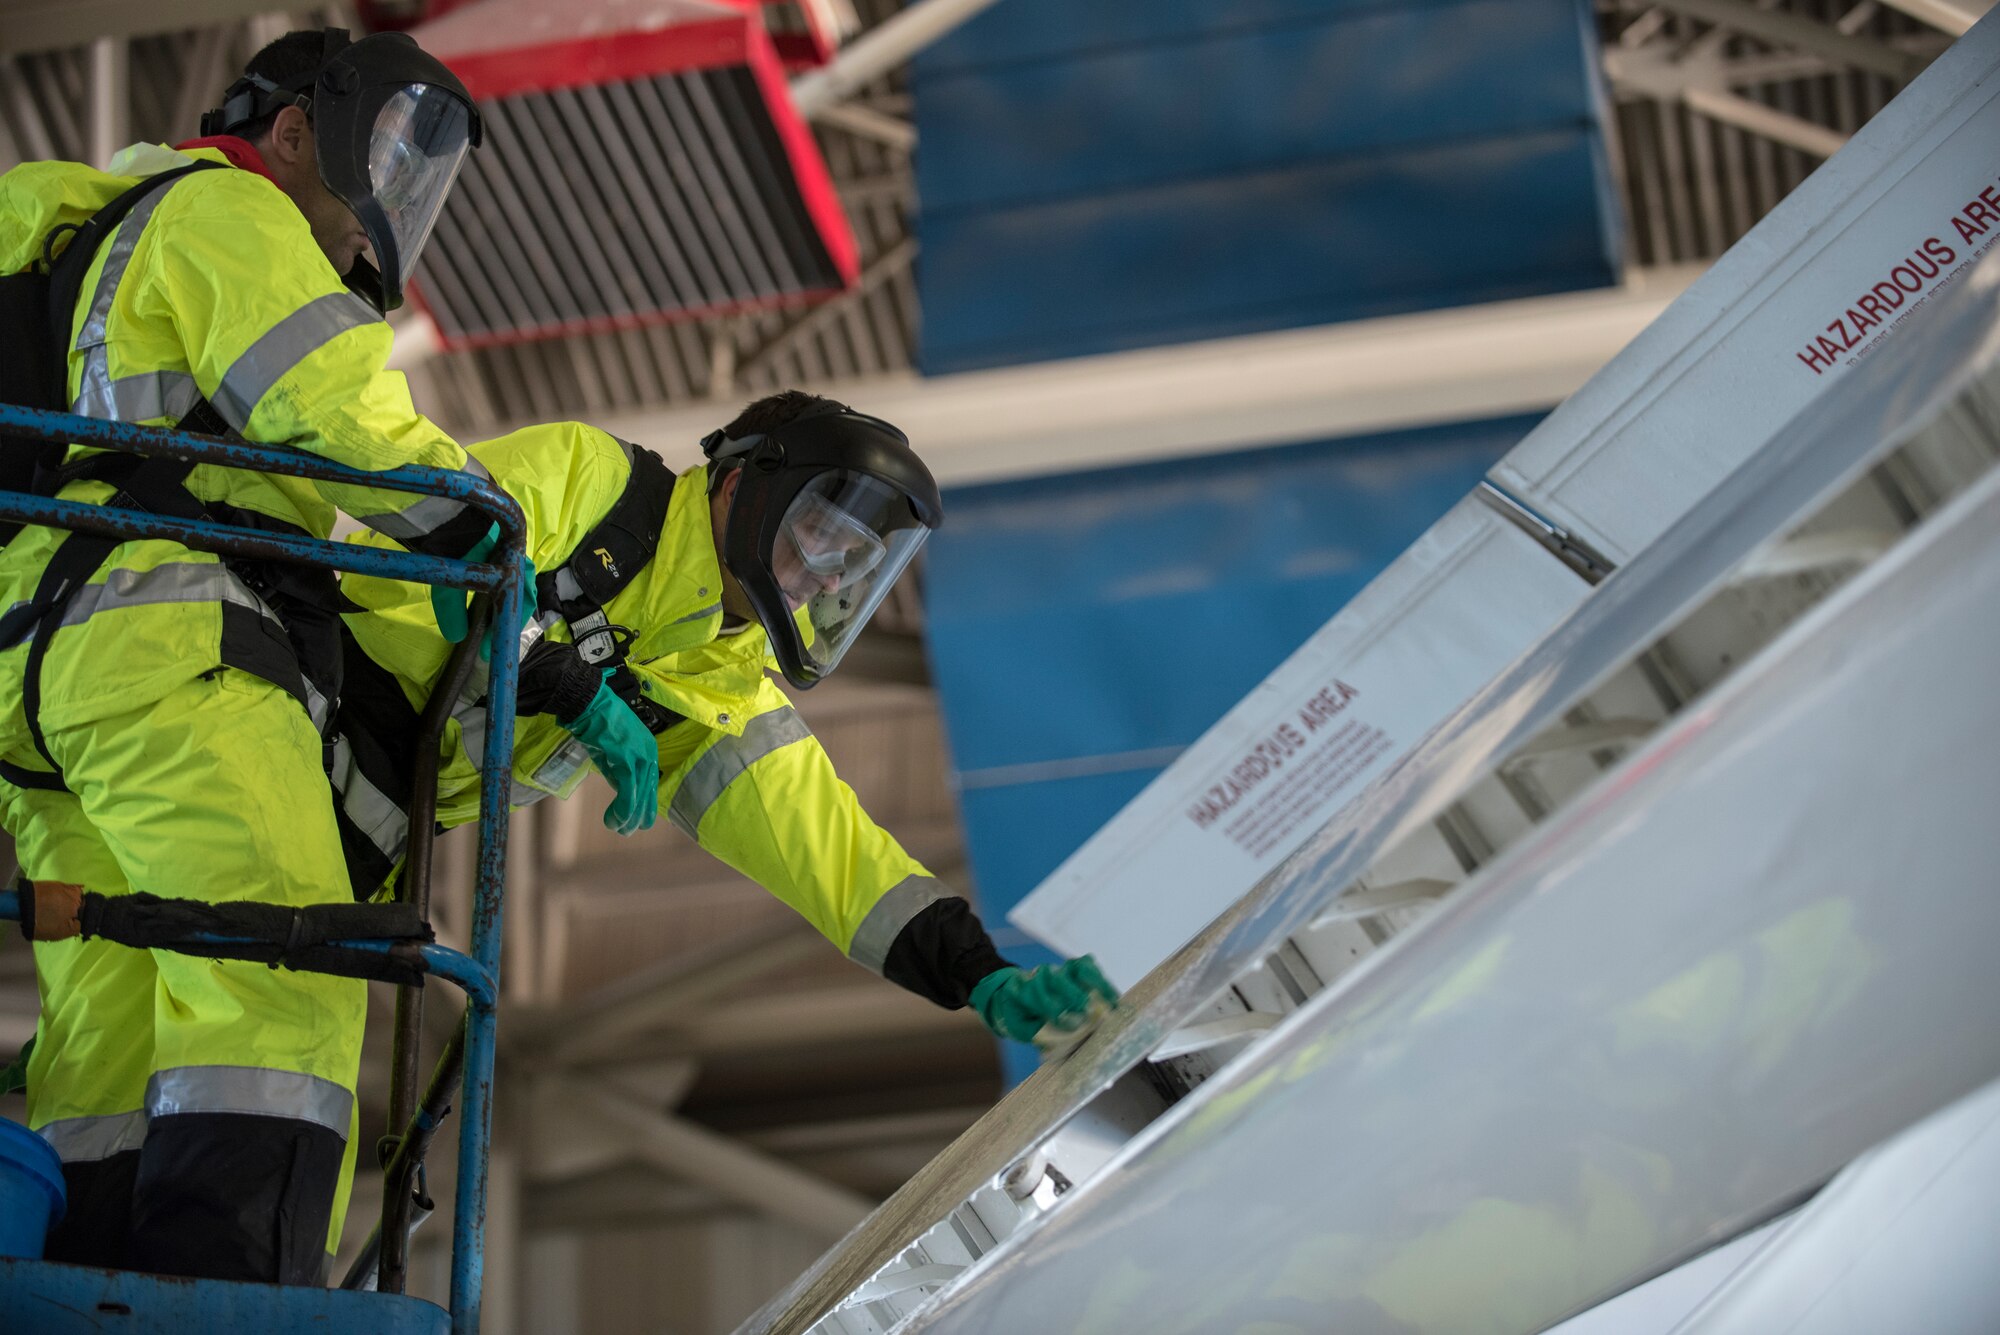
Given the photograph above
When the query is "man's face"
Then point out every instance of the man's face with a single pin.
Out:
(797, 581)
(289, 152)
(820, 548)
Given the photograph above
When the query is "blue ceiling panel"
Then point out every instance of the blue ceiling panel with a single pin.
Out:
(1342, 85)
(1116, 175)
(1115, 612)
(1021, 31)
(1449, 224)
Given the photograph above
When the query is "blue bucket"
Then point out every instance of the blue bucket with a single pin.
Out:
(31, 1190)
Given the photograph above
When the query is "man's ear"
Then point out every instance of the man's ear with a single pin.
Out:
(290, 137)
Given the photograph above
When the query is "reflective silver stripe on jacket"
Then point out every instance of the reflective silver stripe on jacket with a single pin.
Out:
(428, 515)
(87, 1139)
(98, 395)
(885, 921)
(249, 1089)
(172, 582)
(283, 346)
(472, 743)
(722, 763)
(116, 261)
(373, 812)
(145, 397)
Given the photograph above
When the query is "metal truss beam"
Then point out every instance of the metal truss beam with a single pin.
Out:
(878, 51)
(1945, 16)
(706, 1158)
(816, 318)
(604, 1023)
(1744, 114)
(1782, 29)
(1701, 78)
(48, 25)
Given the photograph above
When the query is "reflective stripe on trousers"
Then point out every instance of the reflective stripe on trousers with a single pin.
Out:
(374, 812)
(248, 1090)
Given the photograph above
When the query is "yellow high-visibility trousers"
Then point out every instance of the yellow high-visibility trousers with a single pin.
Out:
(152, 1068)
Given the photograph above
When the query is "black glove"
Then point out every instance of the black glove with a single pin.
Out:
(556, 680)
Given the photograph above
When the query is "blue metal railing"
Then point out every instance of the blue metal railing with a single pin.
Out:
(478, 973)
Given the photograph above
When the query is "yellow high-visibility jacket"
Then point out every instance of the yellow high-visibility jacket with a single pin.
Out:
(212, 287)
(743, 775)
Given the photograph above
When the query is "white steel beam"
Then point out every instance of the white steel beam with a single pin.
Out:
(869, 123)
(110, 97)
(1701, 79)
(1944, 15)
(1194, 399)
(1745, 114)
(37, 144)
(816, 318)
(805, 1020)
(205, 76)
(47, 25)
(603, 1023)
(1783, 29)
(725, 1166)
(879, 50)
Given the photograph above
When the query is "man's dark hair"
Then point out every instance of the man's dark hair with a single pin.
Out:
(775, 410)
(286, 61)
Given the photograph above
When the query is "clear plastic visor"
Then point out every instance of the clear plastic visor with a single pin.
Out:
(414, 153)
(843, 543)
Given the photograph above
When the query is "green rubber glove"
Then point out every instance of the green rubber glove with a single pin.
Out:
(448, 605)
(1018, 1005)
(625, 753)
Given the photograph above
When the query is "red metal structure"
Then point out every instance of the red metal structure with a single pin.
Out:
(643, 163)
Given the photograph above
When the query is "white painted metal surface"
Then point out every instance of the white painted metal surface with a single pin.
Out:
(1675, 1006)
(1441, 621)
(1904, 1238)
(1663, 1017)
(1879, 229)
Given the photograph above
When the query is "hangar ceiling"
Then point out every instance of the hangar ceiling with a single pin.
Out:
(1719, 109)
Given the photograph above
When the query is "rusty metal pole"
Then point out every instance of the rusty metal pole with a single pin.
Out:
(415, 887)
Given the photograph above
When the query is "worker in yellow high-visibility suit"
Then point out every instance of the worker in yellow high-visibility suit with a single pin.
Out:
(203, 1109)
(676, 595)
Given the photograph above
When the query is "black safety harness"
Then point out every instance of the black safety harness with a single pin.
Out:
(307, 598)
(599, 568)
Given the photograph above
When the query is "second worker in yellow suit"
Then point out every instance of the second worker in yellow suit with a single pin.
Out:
(202, 1108)
(676, 595)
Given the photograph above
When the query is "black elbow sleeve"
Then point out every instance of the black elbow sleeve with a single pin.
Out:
(942, 953)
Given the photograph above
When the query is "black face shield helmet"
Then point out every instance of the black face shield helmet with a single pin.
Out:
(391, 126)
(831, 508)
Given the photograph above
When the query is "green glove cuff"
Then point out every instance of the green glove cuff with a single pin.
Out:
(626, 754)
(983, 990)
(448, 605)
(1020, 1005)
